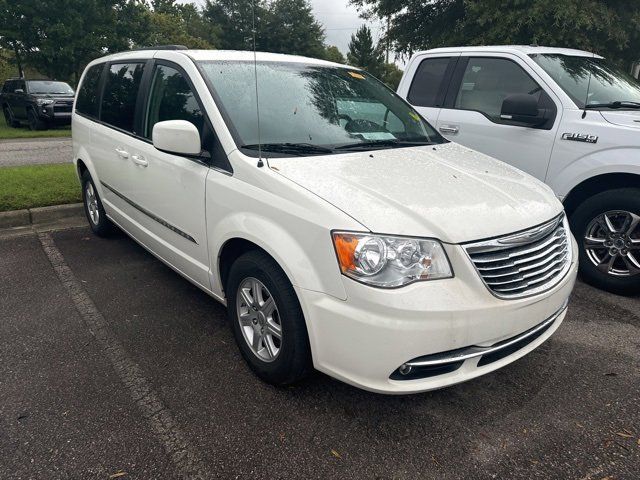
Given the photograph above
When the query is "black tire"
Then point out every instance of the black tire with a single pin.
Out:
(35, 123)
(293, 362)
(100, 224)
(8, 117)
(622, 199)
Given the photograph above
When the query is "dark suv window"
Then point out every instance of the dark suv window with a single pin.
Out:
(171, 99)
(8, 86)
(120, 94)
(427, 81)
(89, 92)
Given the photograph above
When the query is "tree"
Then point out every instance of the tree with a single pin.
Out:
(391, 75)
(292, 28)
(59, 37)
(606, 27)
(332, 54)
(364, 54)
(179, 24)
(234, 20)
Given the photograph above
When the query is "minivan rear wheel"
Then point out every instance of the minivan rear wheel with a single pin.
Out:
(93, 209)
(607, 229)
(266, 320)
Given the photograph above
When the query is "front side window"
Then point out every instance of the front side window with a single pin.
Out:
(89, 92)
(120, 95)
(171, 99)
(427, 81)
(488, 81)
(591, 80)
(47, 87)
(318, 108)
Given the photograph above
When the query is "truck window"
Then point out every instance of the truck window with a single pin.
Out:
(427, 81)
(488, 81)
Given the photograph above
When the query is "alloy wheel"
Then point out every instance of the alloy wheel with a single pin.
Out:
(259, 319)
(92, 203)
(612, 243)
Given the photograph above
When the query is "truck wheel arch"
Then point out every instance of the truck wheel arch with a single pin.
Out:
(597, 184)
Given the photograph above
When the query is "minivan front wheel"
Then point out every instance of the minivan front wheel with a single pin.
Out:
(93, 209)
(607, 228)
(266, 319)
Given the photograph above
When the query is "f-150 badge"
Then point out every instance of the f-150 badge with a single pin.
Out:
(580, 137)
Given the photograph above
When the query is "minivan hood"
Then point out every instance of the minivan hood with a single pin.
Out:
(625, 118)
(446, 191)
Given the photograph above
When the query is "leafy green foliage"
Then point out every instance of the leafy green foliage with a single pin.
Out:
(332, 54)
(364, 53)
(606, 27)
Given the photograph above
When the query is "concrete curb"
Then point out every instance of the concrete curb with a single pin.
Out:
(41, 215)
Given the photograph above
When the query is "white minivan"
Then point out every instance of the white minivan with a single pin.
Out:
(568, 117)
(339, 228)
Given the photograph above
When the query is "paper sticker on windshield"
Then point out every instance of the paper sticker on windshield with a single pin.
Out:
(357, 75)
(377, 135)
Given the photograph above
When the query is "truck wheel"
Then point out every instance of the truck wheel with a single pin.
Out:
(266, 320)
(607, 229)
(8, 117)
(93, 209)
(34, 122)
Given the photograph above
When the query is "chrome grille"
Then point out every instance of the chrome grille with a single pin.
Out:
(524, 263)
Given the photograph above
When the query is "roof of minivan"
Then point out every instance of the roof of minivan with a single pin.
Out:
(524, 49)
(226, 55)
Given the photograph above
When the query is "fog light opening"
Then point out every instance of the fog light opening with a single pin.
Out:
(405, 369)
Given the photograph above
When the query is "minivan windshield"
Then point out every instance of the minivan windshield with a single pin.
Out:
(608, 86)
(312, 110)
(49, 87)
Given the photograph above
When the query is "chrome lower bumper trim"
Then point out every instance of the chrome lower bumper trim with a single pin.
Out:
(475, 351)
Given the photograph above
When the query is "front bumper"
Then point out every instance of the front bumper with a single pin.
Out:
(57, 113)
(365, 339)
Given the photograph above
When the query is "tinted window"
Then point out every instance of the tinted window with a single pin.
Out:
(171, 99)
(488, 81)
(89, 93)
(120, 94)
(427, 81)
(8, 86)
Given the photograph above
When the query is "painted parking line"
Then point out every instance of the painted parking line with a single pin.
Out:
(187, 461)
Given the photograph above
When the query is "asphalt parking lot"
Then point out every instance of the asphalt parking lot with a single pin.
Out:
(113, 366)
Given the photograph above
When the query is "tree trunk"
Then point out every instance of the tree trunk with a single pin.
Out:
(18, 61)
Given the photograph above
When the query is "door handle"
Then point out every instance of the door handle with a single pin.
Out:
(449, 129)
(122, 153)
(139, 160)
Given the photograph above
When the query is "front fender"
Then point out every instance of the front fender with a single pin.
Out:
(308, 259)
(611, 160)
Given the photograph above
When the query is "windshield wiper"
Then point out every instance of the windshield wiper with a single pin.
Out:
(616, 104)
(384, 143)
(292, 148)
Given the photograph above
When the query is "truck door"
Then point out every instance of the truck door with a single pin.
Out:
(471, 114)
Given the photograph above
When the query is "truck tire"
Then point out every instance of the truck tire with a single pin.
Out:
(607, 229)
(35, 123)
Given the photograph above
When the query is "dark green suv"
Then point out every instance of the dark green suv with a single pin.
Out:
(40, 103)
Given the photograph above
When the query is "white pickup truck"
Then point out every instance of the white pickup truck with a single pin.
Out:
(567, 117)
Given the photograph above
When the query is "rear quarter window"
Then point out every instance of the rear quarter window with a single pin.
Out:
(89, 93)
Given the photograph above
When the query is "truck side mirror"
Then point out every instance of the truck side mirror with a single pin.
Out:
(18, 90)
(523, 108)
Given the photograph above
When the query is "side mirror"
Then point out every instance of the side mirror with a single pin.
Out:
(522, 108)
(18, 90)
(176, 136)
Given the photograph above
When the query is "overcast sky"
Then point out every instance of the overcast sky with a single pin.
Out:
(340, 21)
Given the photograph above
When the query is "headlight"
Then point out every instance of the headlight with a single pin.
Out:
(389, 261)
(44, 101)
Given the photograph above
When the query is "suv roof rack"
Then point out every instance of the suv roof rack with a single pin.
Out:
(165, 47)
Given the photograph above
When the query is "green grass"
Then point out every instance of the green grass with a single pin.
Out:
(24, 132)
(38, 186)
